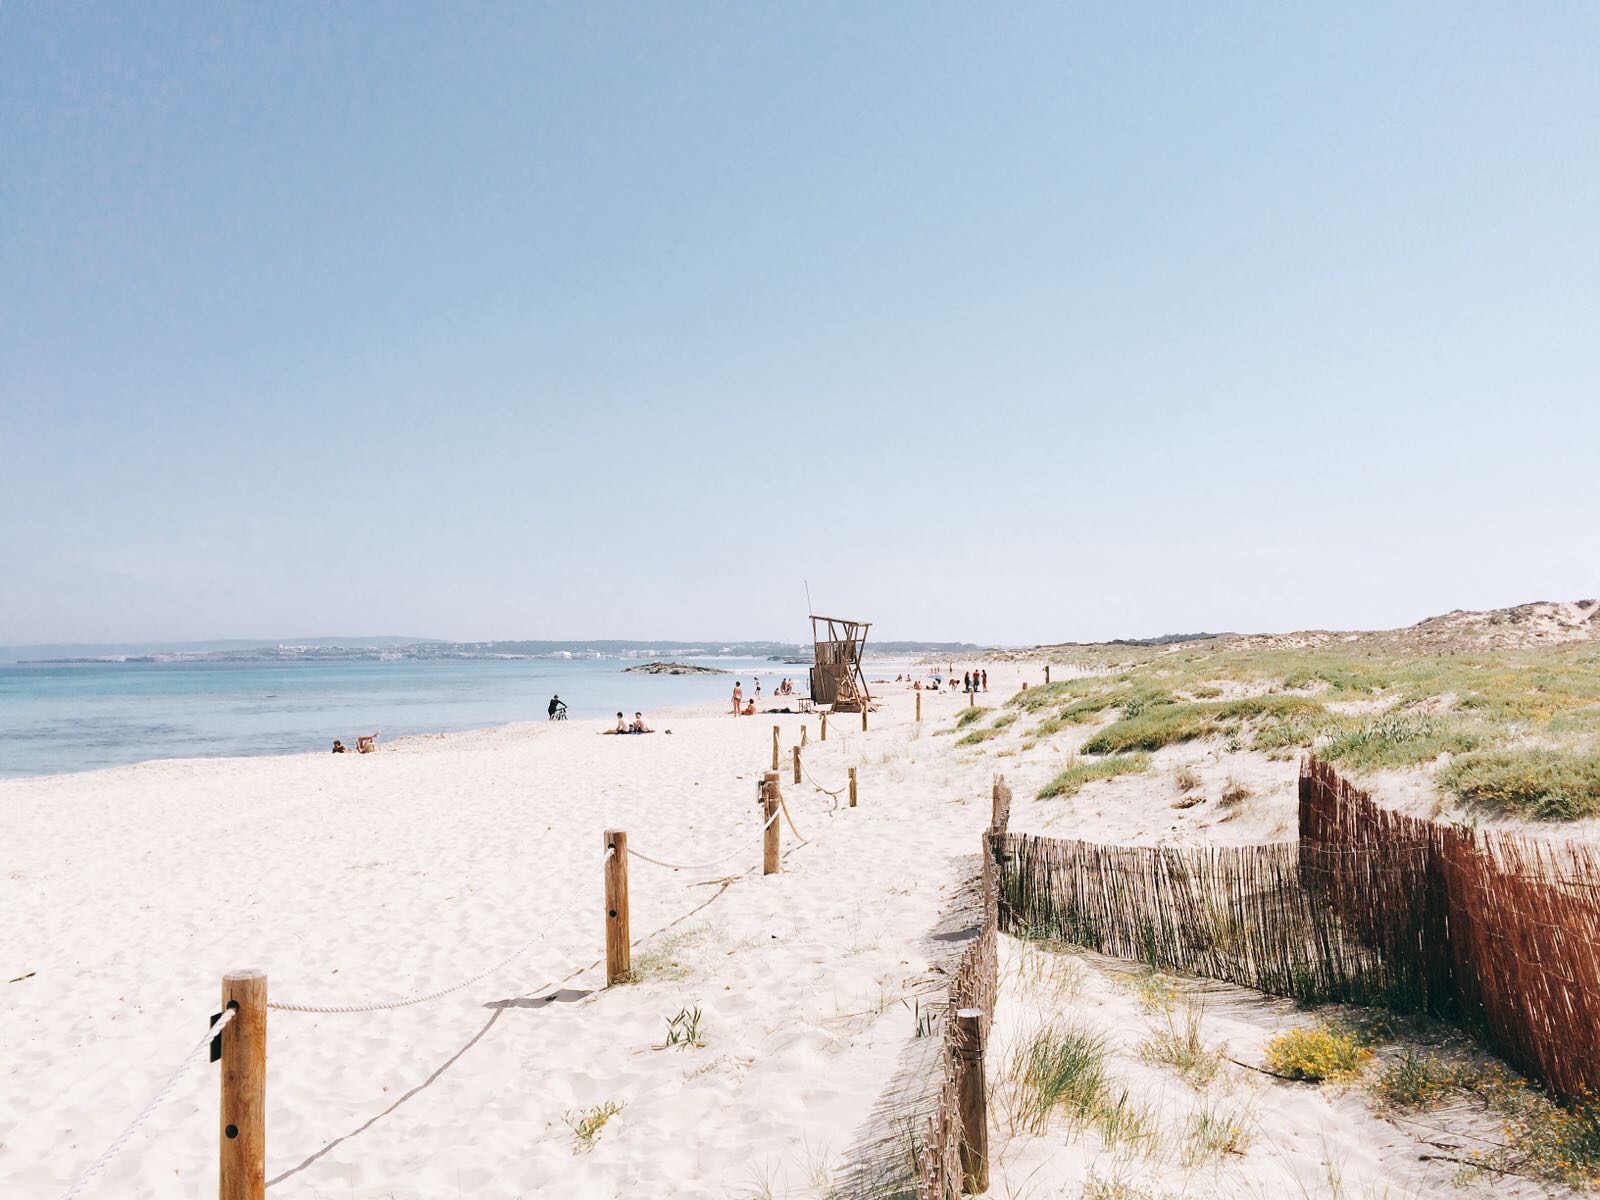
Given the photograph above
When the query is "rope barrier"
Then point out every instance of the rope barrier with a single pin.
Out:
(227, 1016)
(407, 1001)
(783, 807)
(708, 865)
(807, 772)
(145, 1114)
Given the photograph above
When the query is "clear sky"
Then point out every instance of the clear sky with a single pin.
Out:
(994, 322)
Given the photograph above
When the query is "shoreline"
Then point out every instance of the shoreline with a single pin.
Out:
(686, 706)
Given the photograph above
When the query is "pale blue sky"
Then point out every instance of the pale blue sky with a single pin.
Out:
(995, 322)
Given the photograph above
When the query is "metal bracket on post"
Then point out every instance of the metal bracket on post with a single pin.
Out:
(216, 1042)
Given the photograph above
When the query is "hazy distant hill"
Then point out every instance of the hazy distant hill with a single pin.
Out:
(44, 651)
(387, 647)
(1538, 623)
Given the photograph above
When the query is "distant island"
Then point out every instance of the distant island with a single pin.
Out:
(672, 668)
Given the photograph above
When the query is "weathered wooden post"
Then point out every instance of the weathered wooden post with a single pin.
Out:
(802, 735)
(243, 1167)
(769, 813)
(863, 717)
(619, 957)
(972, 699)
(797, 764)
(852, 787)
(824, 726)
(919, 705)
(972, 1100)
(994, 806)
(1047, 672)
(774, 747)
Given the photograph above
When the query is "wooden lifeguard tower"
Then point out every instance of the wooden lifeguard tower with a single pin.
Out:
(836, 677)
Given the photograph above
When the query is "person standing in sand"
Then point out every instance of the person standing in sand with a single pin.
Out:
(985, 674)
(758, 692)
(738, 697)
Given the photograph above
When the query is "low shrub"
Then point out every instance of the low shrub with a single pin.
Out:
(1550, 785)
(1322, 1053)
(1399, 740)
(1167, 724)
(1414, 1081)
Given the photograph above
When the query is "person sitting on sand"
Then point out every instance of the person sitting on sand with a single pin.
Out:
(339, 747)
(750, 709)
(638, 725)
(738, 697)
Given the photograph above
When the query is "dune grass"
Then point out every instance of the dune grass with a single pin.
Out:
(1364, 708)
(1546, 784)
(1156, 725)
(1061, 1066)
(1071, 781)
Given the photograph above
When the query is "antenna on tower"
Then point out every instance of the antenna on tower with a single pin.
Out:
(808, 595)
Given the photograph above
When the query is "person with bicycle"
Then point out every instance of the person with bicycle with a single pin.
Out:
(557, 710)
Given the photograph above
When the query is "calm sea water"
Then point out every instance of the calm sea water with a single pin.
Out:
(78, 717)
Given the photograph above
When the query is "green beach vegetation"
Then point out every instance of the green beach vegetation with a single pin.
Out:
(1513, 731)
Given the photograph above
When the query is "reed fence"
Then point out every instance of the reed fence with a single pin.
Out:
(1507, 933)
(974, 985)
(1497, 931)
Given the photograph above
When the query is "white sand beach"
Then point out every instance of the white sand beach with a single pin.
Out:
(352, 879)
(129, 892)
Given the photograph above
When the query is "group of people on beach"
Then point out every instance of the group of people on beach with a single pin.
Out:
(557, 711)
(638, 725)
(976, 680)
(747, 708)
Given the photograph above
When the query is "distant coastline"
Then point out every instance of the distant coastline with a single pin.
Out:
(393, 649)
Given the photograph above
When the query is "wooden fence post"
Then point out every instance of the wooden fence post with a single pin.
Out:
(797, 764)
(852, 787)
(972, 699)
(973, 1102)
(619, 956)
(824, 726)
(919, 706)
(769, 811)
(802, 734)
(1047, 672)
(242, 1173)
(994, 806)
(863, 717)
(774, 747)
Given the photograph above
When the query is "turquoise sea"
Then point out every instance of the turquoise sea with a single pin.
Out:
(81, 716)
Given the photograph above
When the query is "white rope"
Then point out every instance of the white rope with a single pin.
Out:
(672, 866)
(407, 1001)
(783, 806)
(110, 1151)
